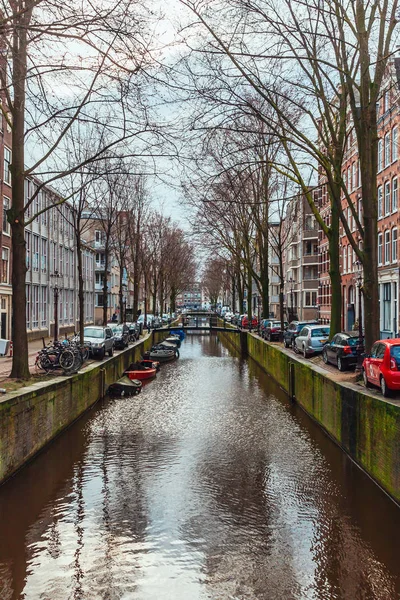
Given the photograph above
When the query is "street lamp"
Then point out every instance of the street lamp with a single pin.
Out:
(359, 281)
(56, 291)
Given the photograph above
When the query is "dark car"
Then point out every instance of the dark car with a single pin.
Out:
(121, 336)
(293, 331)
(343, 350)
(272, 330)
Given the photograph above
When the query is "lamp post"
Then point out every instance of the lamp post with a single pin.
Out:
(56, 291)
(359, 281)
(291, 282)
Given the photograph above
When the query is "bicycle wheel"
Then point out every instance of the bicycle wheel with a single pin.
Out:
(43, 362)
(67, 359)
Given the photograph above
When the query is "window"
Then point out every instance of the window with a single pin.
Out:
(43, 306)
(61, 259)
(7, 163)
(385, 101)
(394, 194)
(349, 179)
(6, 206)
(4, 265)
(380, 207)
(380, 249)
(345, 259)
(354, 176)
(387, 198)
(359, 173)
(44, 256)
(35, 253)
(387, 149)
(387, 247)
(35, 306)
(394, 144)
(394, 244)
(380, 162)
(28, 306)
(99, 237)
(310, 299)
(309, 222)
(28, 248)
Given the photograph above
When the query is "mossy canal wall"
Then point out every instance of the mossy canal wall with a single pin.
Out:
(33, 416)
(366, 426)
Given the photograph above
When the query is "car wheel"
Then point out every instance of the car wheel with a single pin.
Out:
(384, 388)
(268, 337)
(305, 352)
(285, 343)
(340, 364)
(365, 379)
(325, 357)
(295, 347)
(101, 354)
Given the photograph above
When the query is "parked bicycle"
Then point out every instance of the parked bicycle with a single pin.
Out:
(67, 355)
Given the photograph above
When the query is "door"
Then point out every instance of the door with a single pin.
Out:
(375, 362)
(3, 326)
(332, 349)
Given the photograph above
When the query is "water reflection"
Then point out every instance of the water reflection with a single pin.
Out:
(209, 484)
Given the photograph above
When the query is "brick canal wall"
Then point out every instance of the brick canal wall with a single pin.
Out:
(31, 417)
(367, 427)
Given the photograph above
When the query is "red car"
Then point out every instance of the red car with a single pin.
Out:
(245, 322)
(382, 366)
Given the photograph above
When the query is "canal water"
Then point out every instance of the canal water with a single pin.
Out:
(208, 485)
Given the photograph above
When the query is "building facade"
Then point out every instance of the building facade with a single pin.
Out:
(301, 260)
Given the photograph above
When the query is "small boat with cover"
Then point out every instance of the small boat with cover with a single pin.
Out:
(161, 354)
(141, 372)
(173, 339)
(125, 387)
(179, 332)
(152, 364)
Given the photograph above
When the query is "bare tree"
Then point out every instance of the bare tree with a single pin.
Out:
(65, 65)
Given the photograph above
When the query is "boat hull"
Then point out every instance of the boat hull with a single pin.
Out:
(141, 375)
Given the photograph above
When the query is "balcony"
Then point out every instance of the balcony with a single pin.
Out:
(310, 259)
(310, 233)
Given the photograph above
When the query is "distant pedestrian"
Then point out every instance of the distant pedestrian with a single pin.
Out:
(148, 326)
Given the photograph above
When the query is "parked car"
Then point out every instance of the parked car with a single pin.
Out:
(228, 317)
(245, 322)
(382, 366)
(293, 331)
(311, 339)
(272, 330)
(343, 350)
(121, 336)
(101, 340)
(150, 319)
(236, 320)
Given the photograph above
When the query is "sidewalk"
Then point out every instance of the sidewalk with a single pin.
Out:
(33, 348)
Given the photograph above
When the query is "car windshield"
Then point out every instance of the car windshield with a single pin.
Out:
(353, 341)
(323, 331)
(276, 324)
(94, 333)
(395, 352)
(117, 329)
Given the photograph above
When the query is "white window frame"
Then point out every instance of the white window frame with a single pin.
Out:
(6, 224)
(380, 249)
(6, 166)
(380, 202)
(395, 194)
(394, 144)
(387, 247)
(386, 146)
(394, 245)
(387, 198)
(380, 155)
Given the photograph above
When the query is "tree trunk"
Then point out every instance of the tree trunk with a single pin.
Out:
(20, 366)
(249, 286)
(80, 288)
(121, 297)
(368, 157)
(334, 273)
(105, 284)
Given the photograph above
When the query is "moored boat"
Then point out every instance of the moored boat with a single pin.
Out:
(125, 387)
(152, 364)
(138, 371)
(161, 354)
(172, 339)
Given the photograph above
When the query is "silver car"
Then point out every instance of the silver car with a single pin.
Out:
(311, 339)
(101, 340)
